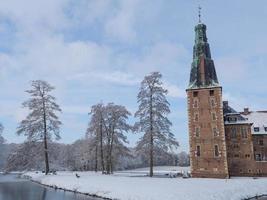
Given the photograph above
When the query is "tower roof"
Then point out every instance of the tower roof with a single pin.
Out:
(203, 73)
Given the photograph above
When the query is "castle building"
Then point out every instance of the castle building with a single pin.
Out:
(223, 142)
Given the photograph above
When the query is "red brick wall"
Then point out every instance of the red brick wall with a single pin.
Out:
(207, 164)
(238, 150)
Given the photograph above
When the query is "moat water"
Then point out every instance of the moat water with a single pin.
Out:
(14, 188)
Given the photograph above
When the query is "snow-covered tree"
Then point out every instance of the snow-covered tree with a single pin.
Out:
(116, 126)
(95, 132)
(106, 131)
(1, 137)
(183, 159)
(42, 122)
(153, 122)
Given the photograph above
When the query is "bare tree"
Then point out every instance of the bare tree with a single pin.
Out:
(152, 113)
(42, 122)
(1, 131)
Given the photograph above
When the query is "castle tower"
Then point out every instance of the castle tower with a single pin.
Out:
(205, 113)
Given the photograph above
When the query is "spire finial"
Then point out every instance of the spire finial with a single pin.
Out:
(199, 14)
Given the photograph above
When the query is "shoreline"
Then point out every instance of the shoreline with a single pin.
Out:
(257, 197)
(64, 189)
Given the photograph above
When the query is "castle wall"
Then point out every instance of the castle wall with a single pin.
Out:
(260, 146)
(240, 151)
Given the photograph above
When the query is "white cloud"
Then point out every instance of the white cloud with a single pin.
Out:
(174, 91)
(31, 15)
(118, 77)
(121, 24)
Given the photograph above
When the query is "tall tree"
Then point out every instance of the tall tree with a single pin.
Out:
(107, 129)
(95, 132)
(153, 122)
(116, 126)
(1, 131)
(42, 122)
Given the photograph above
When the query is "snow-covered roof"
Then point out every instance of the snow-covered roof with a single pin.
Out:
(259, 120)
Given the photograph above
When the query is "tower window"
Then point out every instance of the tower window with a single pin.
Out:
(211, 92)
(196, 117)
(195, 104)
(213, 115)
(195, 94)
(197, 131)
(212, 102)
(215, 131)
(216, 150)
(198, 151)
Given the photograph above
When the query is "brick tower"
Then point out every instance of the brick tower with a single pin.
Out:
(205, 113)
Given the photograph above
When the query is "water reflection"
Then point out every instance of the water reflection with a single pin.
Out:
(12, 188)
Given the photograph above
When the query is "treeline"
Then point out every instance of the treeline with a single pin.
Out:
(76, 157)
(105, 147)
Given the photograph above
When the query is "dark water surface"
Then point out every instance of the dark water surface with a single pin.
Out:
(14, 188)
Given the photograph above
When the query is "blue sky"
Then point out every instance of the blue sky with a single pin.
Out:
(99, 50)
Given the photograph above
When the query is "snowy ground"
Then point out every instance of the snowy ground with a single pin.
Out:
(125, 186)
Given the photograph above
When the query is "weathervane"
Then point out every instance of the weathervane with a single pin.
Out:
(199, 14)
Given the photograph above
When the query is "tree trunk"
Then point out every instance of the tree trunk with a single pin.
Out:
(46, 156)
(45, 140)
(96, 156)
(151, 155)
(101, 147)
(107, 156)
(151, 137)
(110, 153)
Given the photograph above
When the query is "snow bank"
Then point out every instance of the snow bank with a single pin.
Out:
(145, 188)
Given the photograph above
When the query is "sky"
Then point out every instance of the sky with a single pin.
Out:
(100, 50)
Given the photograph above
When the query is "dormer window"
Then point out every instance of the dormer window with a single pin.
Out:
(256, 129)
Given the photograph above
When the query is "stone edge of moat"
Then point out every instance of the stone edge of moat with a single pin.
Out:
(64, 189)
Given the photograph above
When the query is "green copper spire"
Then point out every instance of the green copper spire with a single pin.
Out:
(203, 72)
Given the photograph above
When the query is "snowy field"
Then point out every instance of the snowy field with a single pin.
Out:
(127, 186)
